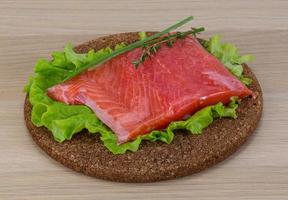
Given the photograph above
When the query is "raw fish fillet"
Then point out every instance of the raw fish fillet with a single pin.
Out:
(173, 83)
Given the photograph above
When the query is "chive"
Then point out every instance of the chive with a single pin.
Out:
(129, 47)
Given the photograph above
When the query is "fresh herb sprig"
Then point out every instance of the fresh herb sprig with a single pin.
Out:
(152, 46)
(127, 48)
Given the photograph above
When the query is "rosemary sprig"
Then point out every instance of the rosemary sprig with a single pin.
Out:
(152, 46)
(130, 47)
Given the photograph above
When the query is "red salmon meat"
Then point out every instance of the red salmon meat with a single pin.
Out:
(173, 83)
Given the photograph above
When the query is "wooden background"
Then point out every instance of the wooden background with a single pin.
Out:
(31, 29)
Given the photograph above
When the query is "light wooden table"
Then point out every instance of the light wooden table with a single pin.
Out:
(31, 29)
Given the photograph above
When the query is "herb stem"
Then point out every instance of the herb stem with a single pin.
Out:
(152, 46)
(128, 48)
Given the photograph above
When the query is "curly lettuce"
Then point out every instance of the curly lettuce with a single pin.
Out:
(66, 120)
(228, 54)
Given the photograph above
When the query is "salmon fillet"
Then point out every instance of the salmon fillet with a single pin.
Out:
(175, 82)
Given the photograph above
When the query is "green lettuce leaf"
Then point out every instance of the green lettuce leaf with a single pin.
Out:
(142, 35)
(194, 125)
(66, 120)
(229, 56)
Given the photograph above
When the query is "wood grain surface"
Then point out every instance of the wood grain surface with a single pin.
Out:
(31, 29)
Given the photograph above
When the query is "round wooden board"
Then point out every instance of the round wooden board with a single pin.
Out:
(154, 161)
